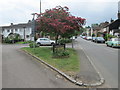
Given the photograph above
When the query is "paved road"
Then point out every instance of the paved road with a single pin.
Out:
(104, 58)
(20, 70)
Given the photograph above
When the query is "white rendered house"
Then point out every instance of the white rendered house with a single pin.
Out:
(24, 30)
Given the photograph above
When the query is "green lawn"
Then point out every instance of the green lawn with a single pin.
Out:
(22, 42)
(70, 65)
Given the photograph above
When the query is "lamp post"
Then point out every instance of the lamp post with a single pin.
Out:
(33, 27)
(24, 33)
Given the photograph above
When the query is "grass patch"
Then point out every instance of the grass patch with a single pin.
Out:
(68, 65)
(22, 42)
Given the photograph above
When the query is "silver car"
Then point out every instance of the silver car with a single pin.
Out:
(45, 41)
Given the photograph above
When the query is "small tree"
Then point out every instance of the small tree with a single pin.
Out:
(58, 21)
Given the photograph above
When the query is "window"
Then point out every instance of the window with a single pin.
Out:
(8, 30)
(20, 30)
(3, 30)
(16, 30)
(27, 36)
(12, 30)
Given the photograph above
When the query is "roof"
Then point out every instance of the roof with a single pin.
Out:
(22, 25)
(100, 26)
(114, 25)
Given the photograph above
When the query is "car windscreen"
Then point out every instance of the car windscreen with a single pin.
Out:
(45, 39)
(101, 38)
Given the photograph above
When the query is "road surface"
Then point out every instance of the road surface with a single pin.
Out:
(20, 70)
(104, 58)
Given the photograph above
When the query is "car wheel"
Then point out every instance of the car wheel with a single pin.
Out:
(52, 44)
(39, 44)
(112, 46)
(107, 44)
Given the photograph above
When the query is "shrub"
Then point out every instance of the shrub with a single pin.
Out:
(33, 45)
(12, 38)
(108, 36)
(61, 54)
(62, 41)
(7, 40)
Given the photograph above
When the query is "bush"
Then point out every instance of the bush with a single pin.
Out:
(63, 41)
(108, 36)
(33, 45)
(12, 38)
(7, 40)
(61, 54)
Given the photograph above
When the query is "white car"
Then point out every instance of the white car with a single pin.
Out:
(83, 37)
(73, 37)
(45, 41)
(89, 38)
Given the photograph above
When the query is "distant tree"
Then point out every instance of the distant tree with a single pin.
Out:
(58, 21)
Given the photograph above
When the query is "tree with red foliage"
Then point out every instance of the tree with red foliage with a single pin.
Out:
(58, 21)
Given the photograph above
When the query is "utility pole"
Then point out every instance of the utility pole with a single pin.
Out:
(40, 6)
(24, 33)
(33, 27)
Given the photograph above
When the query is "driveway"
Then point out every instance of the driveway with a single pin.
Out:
(20, 70)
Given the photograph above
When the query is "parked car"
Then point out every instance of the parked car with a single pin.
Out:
(73, 37)
(84, 37)
(45, 41)
(89, 38)
(93, 39)
(99, 40)
(113, 42)
(81, 36)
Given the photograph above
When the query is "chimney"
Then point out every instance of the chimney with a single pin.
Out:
(111, 20)
(11, 24)
(29, 21)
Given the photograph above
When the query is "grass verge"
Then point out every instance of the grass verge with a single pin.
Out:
(22, 42)
(70, 65)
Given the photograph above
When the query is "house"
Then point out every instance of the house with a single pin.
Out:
(24, 30)
(114, 28)
(95, 29)
(88, 31)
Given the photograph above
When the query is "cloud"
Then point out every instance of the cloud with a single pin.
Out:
(18, 11)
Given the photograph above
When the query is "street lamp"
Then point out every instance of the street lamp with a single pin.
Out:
(24, 33)
(33, 26)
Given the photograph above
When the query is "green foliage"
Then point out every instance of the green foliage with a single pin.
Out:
(93, 35)
(64, 40)
(108, 36)
(33, 45)
(12, 38)
(70, 64)
(7, 40)
(61, 54)
(24, 42)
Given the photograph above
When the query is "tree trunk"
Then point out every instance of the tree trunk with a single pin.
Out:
(56, 39)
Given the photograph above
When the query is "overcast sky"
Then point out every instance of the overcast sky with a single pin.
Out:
(94, 11)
